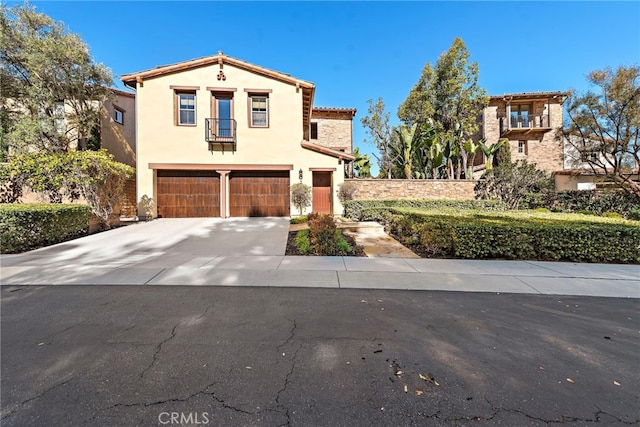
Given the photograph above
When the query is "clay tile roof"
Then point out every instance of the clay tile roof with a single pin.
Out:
(530, 95)
(132, 78)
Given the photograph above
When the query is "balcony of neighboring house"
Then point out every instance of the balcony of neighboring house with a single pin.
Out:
(220, 133)
(519, 119)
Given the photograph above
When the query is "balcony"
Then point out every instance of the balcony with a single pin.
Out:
(220, 133)
(524, 124)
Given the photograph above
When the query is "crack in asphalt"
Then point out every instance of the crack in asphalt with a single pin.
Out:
(38, 396)
(563, 420)
(287, 377)
(158, 348)
(166, 340)
(62, 331)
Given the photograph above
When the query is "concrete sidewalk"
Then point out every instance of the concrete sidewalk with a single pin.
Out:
(529, 277)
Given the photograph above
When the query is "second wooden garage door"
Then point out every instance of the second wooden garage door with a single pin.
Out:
(259, 193)
(188, 194)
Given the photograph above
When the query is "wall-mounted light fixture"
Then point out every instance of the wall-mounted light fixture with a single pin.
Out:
(300, 175)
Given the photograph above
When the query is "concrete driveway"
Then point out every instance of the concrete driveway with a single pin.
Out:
(164, 243)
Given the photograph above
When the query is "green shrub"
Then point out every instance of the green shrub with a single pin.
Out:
(302, 242)
(634, 214)
(518, 235)
(29, 226)
(298, 219)
(322, 231)
(342, 246)
(594, 201)
(354, 208)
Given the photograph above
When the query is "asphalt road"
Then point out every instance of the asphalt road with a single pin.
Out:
(124, 356)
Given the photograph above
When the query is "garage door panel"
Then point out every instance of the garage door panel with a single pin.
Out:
(259, 193)
(188, 194)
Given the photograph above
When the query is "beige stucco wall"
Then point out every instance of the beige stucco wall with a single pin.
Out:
(544, 148)
(406, 189)
(119, 139)
(334, 133)
(159, 140)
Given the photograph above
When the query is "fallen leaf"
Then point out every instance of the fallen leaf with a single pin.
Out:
(422, 377)
(436, 383)
(541, 368)
(41, 343)
(616, 383)
(399, 373)
(406, 389)
(382, 409)
(569, 380)
(419, 392)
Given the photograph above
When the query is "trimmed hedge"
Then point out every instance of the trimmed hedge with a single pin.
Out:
(33, 225)
(354, 209)
(516, 235)
(596, 202)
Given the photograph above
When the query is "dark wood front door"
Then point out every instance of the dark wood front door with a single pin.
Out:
(188, 194)
(259, 193)
(322, 200)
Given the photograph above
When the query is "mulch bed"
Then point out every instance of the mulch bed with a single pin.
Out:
(292, 249)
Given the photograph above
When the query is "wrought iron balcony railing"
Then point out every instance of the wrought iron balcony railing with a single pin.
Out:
(220, 130)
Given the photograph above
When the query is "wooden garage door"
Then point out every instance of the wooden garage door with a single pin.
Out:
(188, 194)
(259, 193)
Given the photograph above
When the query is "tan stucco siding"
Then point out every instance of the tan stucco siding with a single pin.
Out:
(161, 141)
(119, 139)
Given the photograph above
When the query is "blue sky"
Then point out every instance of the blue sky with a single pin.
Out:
(354, 51)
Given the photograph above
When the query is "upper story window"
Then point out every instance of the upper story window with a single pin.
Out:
(314, 131)
(118, 115)
(520, 115)
(259, 111)
(186, 108)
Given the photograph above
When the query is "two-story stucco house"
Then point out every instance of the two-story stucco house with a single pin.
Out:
(220, 137)
(530, 121)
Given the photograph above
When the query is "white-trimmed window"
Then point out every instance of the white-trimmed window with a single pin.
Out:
(118, 115)
(186, 108)
(259, 111)
(523, 148)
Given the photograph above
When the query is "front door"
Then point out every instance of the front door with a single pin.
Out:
(322, 200)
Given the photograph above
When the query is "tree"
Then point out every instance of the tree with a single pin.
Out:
(301, 196)
(489, 150)
(362, 164)
(380, 134)
(604, 125)
(448, 95)
(92, 175)
(513, 182)
(51, 87)
(407, 143)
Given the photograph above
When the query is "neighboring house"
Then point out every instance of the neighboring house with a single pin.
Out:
(531, 122)
(220, 137)
(118, 126)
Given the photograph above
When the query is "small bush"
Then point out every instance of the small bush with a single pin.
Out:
(298, 220)
(302, 242)
(322, 230)
(346, 191)
(634, 214)
(342, 246)
(29, 226)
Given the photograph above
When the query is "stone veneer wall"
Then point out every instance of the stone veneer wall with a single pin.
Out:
(333, 133)
(387, 189)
